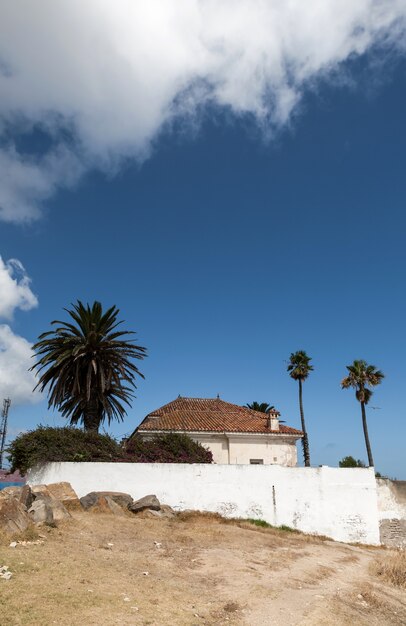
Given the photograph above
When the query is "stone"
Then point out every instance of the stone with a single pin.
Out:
(64, 492)
(11, 491)
(47, 510)
(5, 573)
(101, 504)
(37, 489)
(40, 512)
(167, 511)
(122, 499)
(23, 494)
(26, 496)
(393, 532)
(13, 516)
(149, 502)
(156, 514)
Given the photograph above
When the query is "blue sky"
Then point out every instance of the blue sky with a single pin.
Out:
(232, 243)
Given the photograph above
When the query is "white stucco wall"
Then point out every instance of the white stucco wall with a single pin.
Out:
(338, 502)
(392, 511)
(391, 499)
(240, 449)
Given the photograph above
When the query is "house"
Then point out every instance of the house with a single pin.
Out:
(234, 434)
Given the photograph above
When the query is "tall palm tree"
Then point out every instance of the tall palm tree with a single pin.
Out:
(361, 376)
(262, 407)
(299, 368)
(86, 365)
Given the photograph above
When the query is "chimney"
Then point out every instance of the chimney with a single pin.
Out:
(272, 421)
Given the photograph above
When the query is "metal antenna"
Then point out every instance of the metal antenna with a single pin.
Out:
(3, 428)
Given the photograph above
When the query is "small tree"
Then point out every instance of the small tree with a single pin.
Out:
(349, 461)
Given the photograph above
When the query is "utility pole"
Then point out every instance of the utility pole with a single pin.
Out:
(3, 428)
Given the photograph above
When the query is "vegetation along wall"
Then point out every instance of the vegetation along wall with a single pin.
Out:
(337, 502)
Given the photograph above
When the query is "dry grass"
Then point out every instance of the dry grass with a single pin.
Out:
(30, 534)
(249, 524)
(195, 569)
(391, 569)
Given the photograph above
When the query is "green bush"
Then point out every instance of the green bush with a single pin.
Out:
(46, 444)
(349, 461)
(167, 448)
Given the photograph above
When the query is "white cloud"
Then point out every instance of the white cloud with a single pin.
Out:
(110, 75)
(16, 381)
(25, 182)
(15, 290)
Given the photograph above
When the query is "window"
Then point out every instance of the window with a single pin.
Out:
(256, 461)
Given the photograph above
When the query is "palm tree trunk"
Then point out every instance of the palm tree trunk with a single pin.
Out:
(365, 427)
(305, 440)
(92, 419)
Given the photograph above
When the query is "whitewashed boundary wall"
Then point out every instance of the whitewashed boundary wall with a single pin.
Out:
(392, 511)
(339, 503)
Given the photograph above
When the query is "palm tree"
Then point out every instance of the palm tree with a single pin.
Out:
(262, 407)
(300, 368)
(86, 366)
(361, 376)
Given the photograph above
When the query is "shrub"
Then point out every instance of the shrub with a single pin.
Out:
(167, 448)
(46, 444)
(349, 461)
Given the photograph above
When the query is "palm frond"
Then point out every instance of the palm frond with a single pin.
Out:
(299, 365)
(87, 366)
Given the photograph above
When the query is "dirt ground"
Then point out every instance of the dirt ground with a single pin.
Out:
(105, 570)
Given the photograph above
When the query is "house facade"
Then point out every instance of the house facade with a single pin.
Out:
(234, 434)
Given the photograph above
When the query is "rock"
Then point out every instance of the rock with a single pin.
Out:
(159, 514)
(66, 494)
(150, 502)
(122, 499)
(26, 496)
(39, 489)
(95, 502)
(40, 512)
(47, 510)
(11, 491)
(22, 494)
(5, 573)
(167, 511)
(13, 516)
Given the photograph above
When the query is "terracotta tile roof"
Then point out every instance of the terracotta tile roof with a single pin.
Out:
(210, 415)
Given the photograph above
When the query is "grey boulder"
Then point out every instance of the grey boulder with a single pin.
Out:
(47, 510)
(93, 498)
(150, 502)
